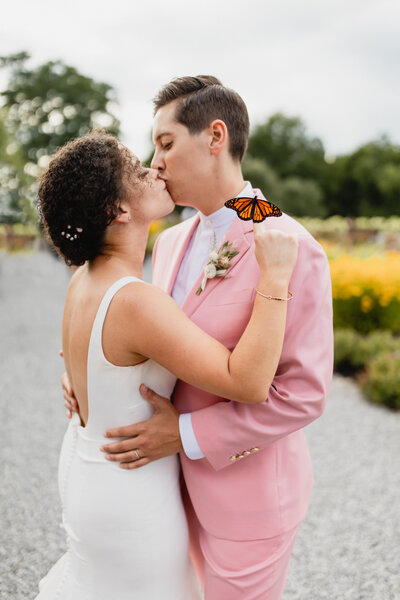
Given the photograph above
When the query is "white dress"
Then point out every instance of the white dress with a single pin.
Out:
(126, 529)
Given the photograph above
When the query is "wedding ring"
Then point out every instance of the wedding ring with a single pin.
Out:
(137, 454)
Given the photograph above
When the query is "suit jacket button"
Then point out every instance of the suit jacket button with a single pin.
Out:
(254, 449)
(232, 458)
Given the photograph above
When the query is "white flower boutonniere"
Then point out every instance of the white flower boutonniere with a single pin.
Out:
(218, 263)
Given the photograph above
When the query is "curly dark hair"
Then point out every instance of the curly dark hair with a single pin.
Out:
(80, 193)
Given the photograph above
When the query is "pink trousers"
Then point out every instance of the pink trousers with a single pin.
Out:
(241, 570)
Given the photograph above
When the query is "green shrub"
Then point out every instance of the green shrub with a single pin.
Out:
(350, 312)
(354, 352)
(375, 359)
(381, 382)
(348, 355)
(376, 343)
(341, 225)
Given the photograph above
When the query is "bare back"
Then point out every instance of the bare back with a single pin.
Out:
(84, 295)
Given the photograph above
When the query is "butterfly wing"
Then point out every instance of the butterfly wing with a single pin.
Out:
(255, 209)
(264, 209)
(243, 207)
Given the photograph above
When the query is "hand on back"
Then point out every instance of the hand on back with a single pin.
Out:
(70, 402)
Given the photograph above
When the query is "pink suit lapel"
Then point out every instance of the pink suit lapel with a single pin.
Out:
(237, 234)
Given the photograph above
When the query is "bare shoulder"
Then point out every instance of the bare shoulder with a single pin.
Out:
(140, 298)
(75, 279)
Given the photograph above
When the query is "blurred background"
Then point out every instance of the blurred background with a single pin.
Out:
(322, 84)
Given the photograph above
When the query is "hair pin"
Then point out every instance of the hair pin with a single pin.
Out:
(72, 236)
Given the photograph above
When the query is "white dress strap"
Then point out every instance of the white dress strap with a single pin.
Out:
(95, 344)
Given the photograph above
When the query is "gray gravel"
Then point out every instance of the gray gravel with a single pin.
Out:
(348, 546)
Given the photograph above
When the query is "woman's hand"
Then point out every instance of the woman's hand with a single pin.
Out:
(276, 252)
(70, 403)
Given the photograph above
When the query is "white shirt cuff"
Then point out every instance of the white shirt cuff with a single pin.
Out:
(188, 438)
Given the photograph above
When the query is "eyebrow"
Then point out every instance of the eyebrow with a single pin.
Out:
(160, 135)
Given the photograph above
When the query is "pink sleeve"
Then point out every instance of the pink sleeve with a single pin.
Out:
(301, 384)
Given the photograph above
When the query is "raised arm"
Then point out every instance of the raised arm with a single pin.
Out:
(158, 329)
(302, 381)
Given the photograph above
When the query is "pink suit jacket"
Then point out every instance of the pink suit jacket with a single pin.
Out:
(267, 492)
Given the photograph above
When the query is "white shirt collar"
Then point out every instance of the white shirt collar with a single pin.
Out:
(224, 216)
(247, 191)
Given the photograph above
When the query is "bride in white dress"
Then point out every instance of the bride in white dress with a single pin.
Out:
(126, 529)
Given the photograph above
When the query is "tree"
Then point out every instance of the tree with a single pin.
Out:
(52, 104)
(388, 182)
(283, 142)
(263, 176)
(43, 108)
(12, 178)
(294, 195)
(302, 197)
(367, 182)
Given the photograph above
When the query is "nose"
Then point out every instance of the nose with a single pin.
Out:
(153, 173)
(157, 162)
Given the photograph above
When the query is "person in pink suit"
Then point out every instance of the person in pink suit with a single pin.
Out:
(246, 467)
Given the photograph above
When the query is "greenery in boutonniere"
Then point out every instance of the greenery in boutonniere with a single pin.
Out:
(218, 264)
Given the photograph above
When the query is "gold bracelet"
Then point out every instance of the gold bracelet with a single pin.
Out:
(275, 298)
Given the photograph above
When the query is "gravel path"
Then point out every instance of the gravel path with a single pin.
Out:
(348, 546)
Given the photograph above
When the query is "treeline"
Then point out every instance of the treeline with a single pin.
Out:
(293, 170)
(44, 107)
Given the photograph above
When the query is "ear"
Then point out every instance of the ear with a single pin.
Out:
(219, 136)
(124, 215)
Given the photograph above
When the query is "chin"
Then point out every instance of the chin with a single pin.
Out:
(176, 198)
(168, 209)
(181, 202)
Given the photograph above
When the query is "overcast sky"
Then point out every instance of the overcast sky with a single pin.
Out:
(334, 63)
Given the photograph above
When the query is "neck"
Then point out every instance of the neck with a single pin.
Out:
(125, 250)
(222, 186)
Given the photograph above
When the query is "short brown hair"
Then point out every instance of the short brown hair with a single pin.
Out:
(203, 99)
(80, 194)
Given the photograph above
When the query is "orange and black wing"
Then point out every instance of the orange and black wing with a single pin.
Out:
(243, 207)
(264, 209)
(253, 209)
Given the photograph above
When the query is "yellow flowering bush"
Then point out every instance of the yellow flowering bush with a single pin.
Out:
(366, 292)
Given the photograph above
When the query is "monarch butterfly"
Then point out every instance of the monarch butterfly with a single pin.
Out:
(255, 209)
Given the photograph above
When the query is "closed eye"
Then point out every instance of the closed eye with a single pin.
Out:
(166, 146)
